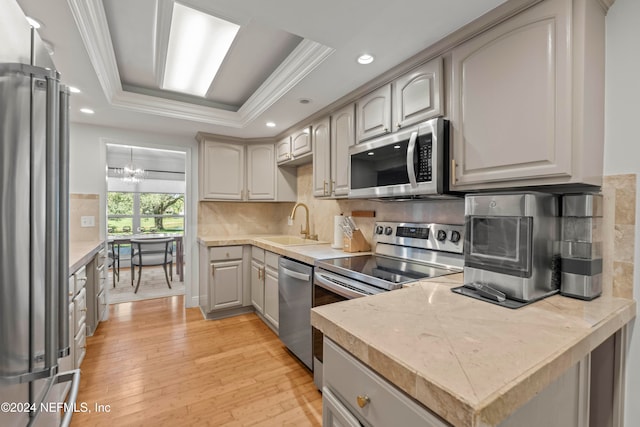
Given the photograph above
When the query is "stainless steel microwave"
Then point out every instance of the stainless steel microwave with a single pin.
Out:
(409, 163)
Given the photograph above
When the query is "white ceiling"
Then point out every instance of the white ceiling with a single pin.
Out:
(100, 49)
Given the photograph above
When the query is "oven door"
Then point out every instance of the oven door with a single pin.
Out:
(327, 289)
(501, 244)
(405, 163)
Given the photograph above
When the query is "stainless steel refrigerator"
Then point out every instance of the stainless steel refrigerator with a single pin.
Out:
(33, 234)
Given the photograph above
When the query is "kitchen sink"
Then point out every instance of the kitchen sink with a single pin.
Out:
(290, 240)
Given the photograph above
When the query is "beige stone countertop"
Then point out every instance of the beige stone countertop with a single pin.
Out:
(81, 253)
(308, 254)
(471, 362)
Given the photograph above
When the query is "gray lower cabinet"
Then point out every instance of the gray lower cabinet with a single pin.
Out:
(356, 392)
(222, 289)
(264, 285)
(271, 289)
(353, 394)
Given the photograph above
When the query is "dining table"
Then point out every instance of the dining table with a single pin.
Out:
(125, 239)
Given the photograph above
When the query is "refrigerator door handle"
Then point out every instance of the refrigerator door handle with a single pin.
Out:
(52, 234)
(69, 405)
(63, 240)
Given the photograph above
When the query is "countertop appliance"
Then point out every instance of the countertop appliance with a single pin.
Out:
(511, 249)
(409, 163)
(294, 304)
(34, 239)
(403, 253)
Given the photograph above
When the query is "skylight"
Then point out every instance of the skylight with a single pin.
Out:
(198, 43)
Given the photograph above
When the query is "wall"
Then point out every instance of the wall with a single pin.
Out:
(88, 159)
(622, 150)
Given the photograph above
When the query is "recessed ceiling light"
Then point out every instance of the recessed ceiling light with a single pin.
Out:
(370, 153)
(396, 147)
(87, 110)
(304, 101)
(270, 124)
(365, 59)
(198, 43)
(34, 22)
(74, 89)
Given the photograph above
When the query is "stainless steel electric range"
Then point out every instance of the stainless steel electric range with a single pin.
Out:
(403, 253)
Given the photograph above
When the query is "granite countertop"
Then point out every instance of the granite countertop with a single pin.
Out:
(81, 253)
(308, 254)
(471, 362)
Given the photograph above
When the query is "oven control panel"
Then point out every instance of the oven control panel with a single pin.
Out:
(440, 237)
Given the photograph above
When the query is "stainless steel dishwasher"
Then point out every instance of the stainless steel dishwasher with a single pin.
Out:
(294, 298)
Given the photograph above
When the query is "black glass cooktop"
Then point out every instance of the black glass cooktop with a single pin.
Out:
(385, 272)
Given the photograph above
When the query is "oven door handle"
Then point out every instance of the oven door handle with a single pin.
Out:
(411, 149)
(295, 274)
(322, 281)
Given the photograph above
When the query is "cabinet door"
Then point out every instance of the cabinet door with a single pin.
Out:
(271, 296)
(374, 113)
(283, 150)
(223, 171)
(342, 137)
(301, 142)
(257, 285)
(417, 94)
(511, 100)
(321, 158)
(261, 172)
(226, 284)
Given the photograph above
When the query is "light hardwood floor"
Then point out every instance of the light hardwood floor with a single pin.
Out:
(156, 364)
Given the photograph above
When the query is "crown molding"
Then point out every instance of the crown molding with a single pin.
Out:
(94, 30)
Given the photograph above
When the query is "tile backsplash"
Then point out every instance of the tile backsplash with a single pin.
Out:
(84, 205)
(231, 218)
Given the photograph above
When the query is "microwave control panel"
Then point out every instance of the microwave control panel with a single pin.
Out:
(425, 155)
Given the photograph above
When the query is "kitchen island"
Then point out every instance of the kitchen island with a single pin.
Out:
(470, 362)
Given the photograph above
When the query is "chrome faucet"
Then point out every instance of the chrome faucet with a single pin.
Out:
(305, 232)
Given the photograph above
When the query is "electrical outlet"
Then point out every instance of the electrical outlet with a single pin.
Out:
(87, 221)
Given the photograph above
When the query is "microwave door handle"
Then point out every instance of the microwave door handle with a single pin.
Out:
(411, 149)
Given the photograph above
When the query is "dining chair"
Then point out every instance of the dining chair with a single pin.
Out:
(113, 255)
(152, 252)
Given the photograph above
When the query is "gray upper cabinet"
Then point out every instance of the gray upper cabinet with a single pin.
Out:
(222, 171)
(301, 142)
(374, 113)
(417, 95)
(342, 137)
(526, 99)
(321, 158)
(283, 150)
(243, 172)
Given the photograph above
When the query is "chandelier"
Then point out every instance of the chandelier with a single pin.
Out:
(131, 173)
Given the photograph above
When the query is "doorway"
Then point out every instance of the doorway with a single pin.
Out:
(146, 199)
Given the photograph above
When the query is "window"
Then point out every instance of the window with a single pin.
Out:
(130, 213)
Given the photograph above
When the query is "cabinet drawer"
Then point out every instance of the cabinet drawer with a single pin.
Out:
(72, 287)
(348, 378)
(80, 307)
(80, 342)
(257, 254)
(271, 260)
(225, 252)
(102, 255)
(102, 305)
(81, 279)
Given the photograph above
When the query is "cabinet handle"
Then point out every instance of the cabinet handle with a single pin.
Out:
(213, 270)
(363, 400)
(259, 274)
(399, 125)
(453, 172)
(324, 187)
(386, 130)
(332, 185)
(263, 271)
